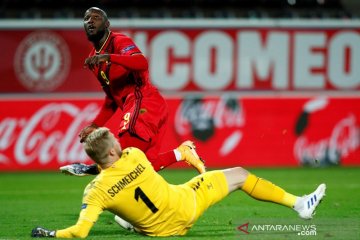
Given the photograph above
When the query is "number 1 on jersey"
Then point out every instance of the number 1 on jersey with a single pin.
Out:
(146, 200)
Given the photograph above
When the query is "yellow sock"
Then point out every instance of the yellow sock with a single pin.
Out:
(264, 190)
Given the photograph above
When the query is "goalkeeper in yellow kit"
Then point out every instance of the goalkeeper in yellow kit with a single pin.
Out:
(129, 187)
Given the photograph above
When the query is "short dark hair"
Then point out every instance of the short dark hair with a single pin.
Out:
(102, 12)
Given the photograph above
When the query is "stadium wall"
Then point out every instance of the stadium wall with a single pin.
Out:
(251, 93)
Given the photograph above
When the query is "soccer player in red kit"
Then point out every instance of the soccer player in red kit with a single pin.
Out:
(122, 71)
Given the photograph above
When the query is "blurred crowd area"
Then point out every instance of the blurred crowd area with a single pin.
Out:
(228, 9)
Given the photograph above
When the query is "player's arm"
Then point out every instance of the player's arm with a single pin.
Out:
(135, 62)
(79, 169)
(107, 110)
(81, 229)
(126, 54)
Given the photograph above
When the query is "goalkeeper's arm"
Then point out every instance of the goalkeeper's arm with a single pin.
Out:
(81, 229)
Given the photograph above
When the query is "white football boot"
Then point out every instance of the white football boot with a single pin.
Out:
(124, 224)
(306, 205)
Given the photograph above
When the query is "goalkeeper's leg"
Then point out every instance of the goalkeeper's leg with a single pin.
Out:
(261, 189)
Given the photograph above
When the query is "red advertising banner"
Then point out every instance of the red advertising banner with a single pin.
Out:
(272, 57)
(45, 61)
(42, 134)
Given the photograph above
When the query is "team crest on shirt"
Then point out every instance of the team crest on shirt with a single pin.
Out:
(42, 61)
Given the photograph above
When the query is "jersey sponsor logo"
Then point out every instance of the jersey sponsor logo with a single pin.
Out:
(121, 184)
(83, 206)
(125, 50)
(42, 61)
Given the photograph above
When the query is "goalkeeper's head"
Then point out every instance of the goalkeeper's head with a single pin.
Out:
(102, 147)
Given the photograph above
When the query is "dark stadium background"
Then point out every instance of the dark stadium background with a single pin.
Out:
(247, 9)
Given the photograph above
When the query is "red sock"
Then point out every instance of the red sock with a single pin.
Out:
(163, 160)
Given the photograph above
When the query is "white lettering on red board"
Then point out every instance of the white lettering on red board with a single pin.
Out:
(43, 137)
(281, 59)
(343, 140)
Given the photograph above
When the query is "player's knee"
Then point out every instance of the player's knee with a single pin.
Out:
(235, 177)
(241, 174)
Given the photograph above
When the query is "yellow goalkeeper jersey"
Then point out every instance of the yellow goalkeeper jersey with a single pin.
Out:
(130, 189)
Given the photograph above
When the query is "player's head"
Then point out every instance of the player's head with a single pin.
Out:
(96, 23)
(102, 146)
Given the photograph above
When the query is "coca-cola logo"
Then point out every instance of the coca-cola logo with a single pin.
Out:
(44, 137)
(42, 61)
(342, 141)
(206, 119)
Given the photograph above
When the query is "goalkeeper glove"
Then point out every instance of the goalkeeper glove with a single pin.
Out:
(39, 232)
(80, 169)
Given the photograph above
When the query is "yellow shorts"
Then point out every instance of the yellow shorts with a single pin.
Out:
(210, 188)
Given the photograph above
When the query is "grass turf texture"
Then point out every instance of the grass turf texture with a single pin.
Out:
(53, 200)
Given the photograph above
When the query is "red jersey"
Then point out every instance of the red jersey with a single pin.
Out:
(129, 90)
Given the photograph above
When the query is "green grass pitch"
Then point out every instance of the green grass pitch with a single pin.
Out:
(53, 200)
